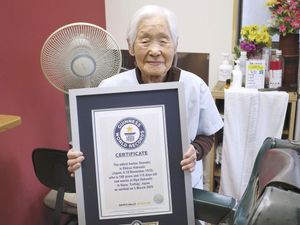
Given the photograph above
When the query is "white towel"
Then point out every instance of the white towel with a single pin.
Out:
(250, 117)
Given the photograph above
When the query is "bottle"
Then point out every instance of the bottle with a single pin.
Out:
(276, 68)
(237, 76)
(243, 61)
(225, 68)
(267, 53)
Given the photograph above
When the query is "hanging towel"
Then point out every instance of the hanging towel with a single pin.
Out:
(250, 116)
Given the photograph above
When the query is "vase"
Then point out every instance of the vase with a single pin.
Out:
(289, 44)
(257, 56)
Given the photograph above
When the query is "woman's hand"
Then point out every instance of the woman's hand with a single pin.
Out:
(74, 160)
(189, 159)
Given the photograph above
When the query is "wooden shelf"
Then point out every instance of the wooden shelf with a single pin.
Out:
(218, 94)
(288, 132)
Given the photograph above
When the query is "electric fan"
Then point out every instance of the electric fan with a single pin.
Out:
(79, 55)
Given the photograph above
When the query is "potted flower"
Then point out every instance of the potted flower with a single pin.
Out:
(285, 21)
(285, 16)
(253, 39)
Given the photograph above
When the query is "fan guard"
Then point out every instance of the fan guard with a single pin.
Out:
(79, 55)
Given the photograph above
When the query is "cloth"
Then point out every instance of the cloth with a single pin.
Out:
(202, 114)
(202, 145)
(250, 116)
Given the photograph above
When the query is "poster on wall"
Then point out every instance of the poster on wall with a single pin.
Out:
(133, 140)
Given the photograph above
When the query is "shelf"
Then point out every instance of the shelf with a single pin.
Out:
(217, 172)
(218, 92)
(288, 130)
(218, 95)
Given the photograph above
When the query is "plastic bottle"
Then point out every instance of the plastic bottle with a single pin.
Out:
(267, 53)
(225, 68)
(243, 61)
(237, 76)
(276, 68)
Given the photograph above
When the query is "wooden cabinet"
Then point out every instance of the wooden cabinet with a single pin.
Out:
(218, 95)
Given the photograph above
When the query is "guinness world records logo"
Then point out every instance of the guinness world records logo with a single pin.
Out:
(129, 133)
(137, 222)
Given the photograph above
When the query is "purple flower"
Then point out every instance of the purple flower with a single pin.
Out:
(252, 49)
(247, 46)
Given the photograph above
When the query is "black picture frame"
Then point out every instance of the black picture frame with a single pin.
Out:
(83, 102)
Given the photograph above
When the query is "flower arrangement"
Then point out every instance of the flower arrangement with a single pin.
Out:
(285, 16)
(254, 39)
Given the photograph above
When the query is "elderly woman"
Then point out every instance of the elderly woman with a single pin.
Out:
(152, 39)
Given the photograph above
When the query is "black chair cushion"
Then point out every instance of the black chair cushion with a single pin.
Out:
(50, 166)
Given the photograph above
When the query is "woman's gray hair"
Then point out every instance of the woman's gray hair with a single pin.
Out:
(151, 11)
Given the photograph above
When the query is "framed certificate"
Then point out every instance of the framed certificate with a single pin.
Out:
(133, 140)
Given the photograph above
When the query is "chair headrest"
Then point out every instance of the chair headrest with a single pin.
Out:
(280, 167)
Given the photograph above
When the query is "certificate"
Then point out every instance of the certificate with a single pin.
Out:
(133, 177)
(133, 140)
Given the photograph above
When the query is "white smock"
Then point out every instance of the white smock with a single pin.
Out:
(202, 114)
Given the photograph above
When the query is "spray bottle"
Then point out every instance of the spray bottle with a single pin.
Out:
(237, 76)
(243, 62)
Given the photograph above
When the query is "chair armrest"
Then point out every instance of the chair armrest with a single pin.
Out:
(213, 207)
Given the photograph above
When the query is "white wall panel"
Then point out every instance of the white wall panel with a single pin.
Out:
(204, 26)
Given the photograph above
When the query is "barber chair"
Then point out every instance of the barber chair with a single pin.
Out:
(272, 196)
(50, 166)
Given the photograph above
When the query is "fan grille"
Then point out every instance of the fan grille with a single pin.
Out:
(80, 55)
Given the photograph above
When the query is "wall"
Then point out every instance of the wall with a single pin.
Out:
(204, 26)
(24, 91)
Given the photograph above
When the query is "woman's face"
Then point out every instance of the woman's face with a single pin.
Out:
(153, 49)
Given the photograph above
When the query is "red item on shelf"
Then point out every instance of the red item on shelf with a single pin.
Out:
(276, 65)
